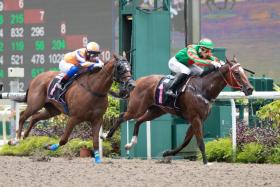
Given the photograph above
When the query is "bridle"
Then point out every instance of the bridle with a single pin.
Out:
(120, 70)
(119, 75)
(232, 79)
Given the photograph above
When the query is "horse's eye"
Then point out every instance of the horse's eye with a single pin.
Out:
(237, 74)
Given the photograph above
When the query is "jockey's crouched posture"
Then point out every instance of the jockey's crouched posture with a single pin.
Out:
(87, 57)
(190, 61)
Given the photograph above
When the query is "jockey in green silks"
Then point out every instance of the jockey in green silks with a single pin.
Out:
(191, 61)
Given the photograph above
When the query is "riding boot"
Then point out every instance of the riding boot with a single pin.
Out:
(179, 79)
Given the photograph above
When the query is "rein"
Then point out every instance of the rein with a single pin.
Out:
(115, 77)
(103, 69)
(92, 92)
(232, 79)
(96, 94)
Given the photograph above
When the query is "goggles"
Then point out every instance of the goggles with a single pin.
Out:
(93, 53)
(205, 50)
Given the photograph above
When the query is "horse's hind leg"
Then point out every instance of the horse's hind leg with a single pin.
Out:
(136, 108)
(188, 137)
(50, 111)
(152, 113)
(34, 104)
(117, 123)
(24, 115)
(123, 117)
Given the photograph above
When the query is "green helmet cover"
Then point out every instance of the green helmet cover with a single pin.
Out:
(207, 43)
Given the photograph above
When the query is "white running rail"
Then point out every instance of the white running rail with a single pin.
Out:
(240, 95)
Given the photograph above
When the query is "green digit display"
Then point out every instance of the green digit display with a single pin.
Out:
(2, 74)
(18, 45)
(58, 44)
(16, 19)
(39, 45)
(36, 71)
(1, 46)
(1, 19)
(54, 69)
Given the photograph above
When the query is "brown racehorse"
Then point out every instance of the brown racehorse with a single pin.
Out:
(86, 98)
(194, 103)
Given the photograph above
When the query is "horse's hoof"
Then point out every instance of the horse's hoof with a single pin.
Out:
(52, 147)
(97, 161)
(165, 160)
(47, 146)
(13, 142)
(166, 153)
(103, 136)
(127, 146)
(208, 164)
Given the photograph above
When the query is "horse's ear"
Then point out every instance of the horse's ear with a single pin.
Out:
(116, 56)
(124, 54)
(227, 60)
(234, 58)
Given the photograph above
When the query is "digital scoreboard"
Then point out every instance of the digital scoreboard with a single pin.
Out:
(35, 34)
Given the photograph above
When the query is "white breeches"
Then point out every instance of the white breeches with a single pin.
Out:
(177, 67)
(64, 66)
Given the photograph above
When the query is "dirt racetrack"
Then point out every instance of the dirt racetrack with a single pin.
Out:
(23, 171)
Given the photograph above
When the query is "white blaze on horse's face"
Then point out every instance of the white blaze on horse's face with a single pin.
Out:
(241, 70)
(241, 79)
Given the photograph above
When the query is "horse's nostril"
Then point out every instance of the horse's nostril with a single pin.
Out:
(249, 91)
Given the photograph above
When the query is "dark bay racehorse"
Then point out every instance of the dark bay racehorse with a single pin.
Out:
(194, 103)
(86, 98)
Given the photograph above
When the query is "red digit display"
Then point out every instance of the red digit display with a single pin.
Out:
(11, 5)
(34, 16)
(75, 41)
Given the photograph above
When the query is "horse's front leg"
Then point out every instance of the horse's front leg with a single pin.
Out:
(188, 137)
(197, 126)
(112, 130)
(152, 113)
(95, 140)
(67, 131)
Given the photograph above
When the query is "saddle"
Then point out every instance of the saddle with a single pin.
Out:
(162, 99)
(57, 94)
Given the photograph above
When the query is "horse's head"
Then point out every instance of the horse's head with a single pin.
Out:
(122, 73)
(236, 77)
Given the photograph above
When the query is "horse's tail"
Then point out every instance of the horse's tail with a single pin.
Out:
(18, 97)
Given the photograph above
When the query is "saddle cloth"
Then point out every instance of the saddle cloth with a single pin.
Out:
(57, 94)
(162, 99)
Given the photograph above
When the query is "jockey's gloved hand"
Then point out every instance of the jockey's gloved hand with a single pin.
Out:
(216, 64)
(87, 64)
(222, 62)
(99, 64)
(95, 66)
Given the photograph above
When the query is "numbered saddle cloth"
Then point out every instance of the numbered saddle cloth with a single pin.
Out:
(57, 94)
(160, 97)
